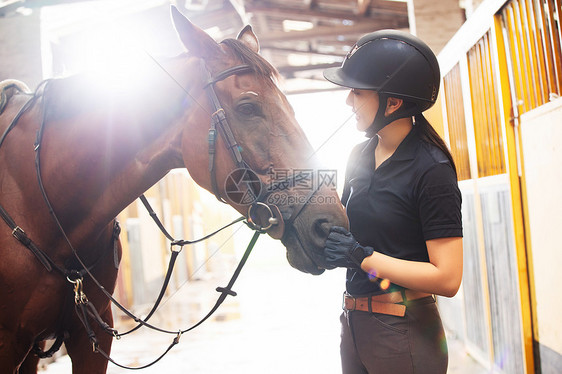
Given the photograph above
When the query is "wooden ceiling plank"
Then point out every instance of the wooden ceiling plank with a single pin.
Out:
(359, 28)
(311, 3)
(398, 6)
(299, 51)
(10, 6)
(240, 9)
(289, 69)
(321, 14)
(363, 7)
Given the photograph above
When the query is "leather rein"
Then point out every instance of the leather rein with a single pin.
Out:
(83, 307)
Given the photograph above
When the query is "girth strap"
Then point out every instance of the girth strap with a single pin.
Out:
(51, 351)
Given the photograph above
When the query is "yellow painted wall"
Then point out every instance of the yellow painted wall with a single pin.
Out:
(435, 115)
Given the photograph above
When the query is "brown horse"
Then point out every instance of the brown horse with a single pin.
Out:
(100, 149)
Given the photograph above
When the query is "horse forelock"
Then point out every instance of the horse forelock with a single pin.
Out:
(249, 57)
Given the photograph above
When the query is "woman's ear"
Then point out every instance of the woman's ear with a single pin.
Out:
(392, 105)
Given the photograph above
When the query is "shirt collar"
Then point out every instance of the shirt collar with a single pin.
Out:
(408, 147)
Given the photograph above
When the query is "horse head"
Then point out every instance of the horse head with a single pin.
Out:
(246, 146)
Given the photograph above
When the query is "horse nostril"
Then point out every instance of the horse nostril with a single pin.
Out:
(322, 228)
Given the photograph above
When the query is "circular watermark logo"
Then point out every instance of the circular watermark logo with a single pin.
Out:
(243, 186)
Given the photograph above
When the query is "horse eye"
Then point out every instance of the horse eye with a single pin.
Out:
(248, 109)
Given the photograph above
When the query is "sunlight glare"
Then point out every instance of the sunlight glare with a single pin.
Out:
(100, 39)
(329, 125)
(112, 57)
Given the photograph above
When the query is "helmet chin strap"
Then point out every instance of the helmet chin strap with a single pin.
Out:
(380, 119)
(407, 109)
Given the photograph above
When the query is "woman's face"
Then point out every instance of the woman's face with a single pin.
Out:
(365, 104)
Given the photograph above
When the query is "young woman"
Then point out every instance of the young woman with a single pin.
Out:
(404, 209)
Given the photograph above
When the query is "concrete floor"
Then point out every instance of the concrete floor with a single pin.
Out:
(282, 321)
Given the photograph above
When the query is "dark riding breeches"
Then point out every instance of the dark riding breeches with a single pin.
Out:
(376, 343)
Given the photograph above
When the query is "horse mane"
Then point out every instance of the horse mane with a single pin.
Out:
(249, 57)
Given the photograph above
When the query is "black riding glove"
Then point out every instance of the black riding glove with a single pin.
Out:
(342, 250)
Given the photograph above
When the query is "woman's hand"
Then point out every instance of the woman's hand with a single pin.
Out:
(342, 250)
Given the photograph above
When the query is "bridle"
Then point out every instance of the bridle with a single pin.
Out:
(83, 307)
(219, 123)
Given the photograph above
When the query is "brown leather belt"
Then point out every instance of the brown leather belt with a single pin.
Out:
(387, 303)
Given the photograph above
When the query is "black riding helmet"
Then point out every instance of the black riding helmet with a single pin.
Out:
(394, 64)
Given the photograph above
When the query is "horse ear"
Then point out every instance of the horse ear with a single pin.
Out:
(250, 39)
(192, 37)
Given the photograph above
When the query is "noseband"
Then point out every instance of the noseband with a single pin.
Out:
(220, 123)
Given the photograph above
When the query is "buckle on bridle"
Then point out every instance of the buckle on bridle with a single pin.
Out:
(17, 231)
(271, 220)
(220, 113)
(176, 246)
(212, 139)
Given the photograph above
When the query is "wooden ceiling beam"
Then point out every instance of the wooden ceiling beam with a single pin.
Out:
(299, 51)
(319, 32)
(398, 6)
(311, 3)
(323, 14)
(43, 3)
(216, 17)
(240, 9)
(10, 6)
(290, 69)
(363, 7)
(314, 90)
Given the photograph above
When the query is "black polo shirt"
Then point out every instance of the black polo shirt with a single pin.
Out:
(411, 197)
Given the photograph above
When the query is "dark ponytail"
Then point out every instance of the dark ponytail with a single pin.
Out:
(431, 136)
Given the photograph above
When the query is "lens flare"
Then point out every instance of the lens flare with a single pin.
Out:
(385, 283)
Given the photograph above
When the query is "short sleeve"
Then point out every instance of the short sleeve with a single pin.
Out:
(439, 203)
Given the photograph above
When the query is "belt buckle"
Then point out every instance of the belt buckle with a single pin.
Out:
(347, 296)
